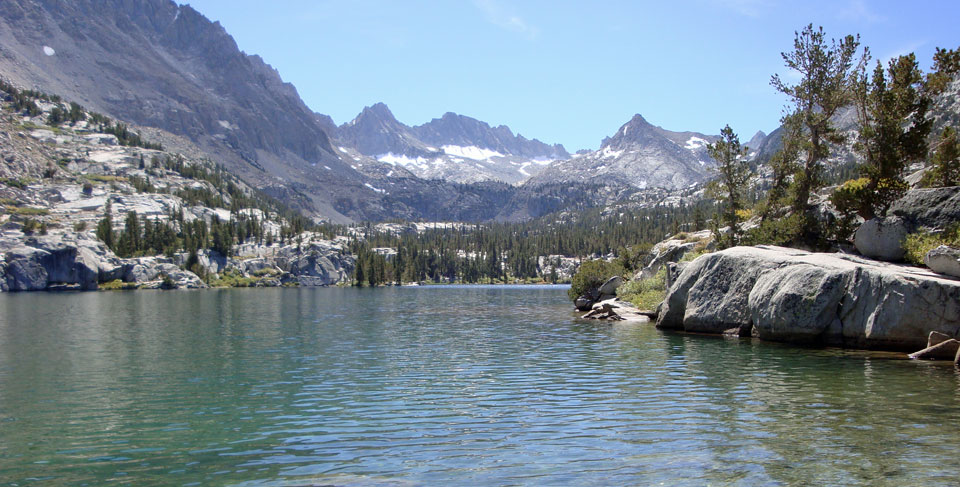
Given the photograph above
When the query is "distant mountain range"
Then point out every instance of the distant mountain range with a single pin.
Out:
(157, 64)
(453, 148)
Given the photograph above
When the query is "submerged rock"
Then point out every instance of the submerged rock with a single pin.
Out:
(583, 303)
(791, 295)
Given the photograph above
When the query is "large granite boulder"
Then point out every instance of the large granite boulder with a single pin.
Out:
(711, 294)
(929, 208)
(792, 295)
(882, 238)
(608, 289)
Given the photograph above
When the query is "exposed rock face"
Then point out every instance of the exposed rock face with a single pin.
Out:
(31, 268)
(319, 264)
(463, 131)
(881, 238)
(375, 131)
(672, 250)
(944, 260)
(79, 261)
(790, 295)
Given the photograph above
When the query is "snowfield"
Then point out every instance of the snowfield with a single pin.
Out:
(470, 152)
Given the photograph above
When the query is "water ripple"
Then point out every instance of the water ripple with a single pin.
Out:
(441, 386)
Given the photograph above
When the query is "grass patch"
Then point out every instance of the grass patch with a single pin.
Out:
(19, 183)
(27, 211)
(233, 278)
(118, 285)
(645, 294)
(266, 272)
(918, 244)
(104, 178)
(693, 254)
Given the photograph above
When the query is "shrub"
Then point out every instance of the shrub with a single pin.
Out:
(30, 225)
(168, 283)
(775, 231)
(645, 294)
(233, 278)
(591, 274)
(118, 285)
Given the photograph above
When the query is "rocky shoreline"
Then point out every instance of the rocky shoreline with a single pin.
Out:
(80, 261)
(790, 295)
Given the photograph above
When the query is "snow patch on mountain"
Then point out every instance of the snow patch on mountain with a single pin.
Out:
(608, 153)
(381, 191)
(695, 143)
(470, 152)
(402, 160)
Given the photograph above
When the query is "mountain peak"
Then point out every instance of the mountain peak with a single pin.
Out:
(757, 140)
(378, 110)
(637, 130)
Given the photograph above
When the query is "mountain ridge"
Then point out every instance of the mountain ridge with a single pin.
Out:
(454, 147)
(640, 155)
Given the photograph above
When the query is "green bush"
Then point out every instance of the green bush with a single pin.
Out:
(118, 285)
(233, 278)
(645, 294)
(775, 231)
(591, 274)
(30, 225)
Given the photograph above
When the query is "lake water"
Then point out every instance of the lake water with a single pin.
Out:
(442, 386)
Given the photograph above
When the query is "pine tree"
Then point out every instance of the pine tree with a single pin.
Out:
(892, 113)
(105, 226)
(731, 187)
(945, 162)
(826, 70)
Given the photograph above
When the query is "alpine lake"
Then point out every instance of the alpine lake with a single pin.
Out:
(442, 385)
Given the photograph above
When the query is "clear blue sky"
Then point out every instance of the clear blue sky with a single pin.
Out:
(563, 71)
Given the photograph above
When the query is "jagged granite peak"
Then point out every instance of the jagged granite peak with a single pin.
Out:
(461, 130)
(756, 141)
(641, 155)
(328, 125)
(376, 132)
